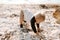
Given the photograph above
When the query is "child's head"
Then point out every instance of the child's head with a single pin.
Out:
(39, 18)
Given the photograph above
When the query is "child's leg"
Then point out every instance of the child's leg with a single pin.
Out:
(21, 19)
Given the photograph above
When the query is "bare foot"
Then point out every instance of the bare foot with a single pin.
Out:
(37, 34)
(39, 30)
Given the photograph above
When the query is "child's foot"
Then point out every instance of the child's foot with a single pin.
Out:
(40, 30)
(37, 34)
(21, 25)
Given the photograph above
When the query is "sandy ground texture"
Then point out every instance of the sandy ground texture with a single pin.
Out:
(10, 29)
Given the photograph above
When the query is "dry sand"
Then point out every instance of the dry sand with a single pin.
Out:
(9, 24)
